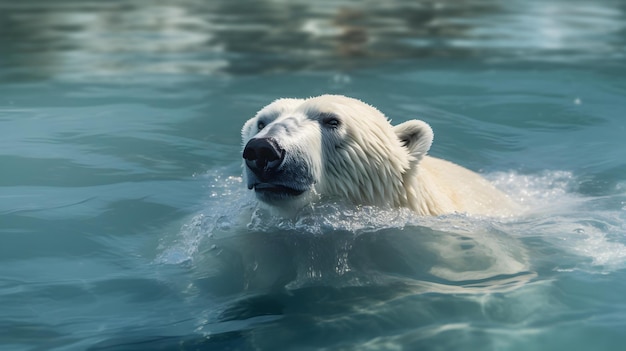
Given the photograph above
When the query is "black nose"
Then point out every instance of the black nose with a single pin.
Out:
(263, 156)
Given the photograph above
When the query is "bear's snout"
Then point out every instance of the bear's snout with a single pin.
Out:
(263, 156)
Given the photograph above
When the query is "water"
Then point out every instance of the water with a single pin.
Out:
(124, 224)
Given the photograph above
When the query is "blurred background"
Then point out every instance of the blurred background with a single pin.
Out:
(81, 39)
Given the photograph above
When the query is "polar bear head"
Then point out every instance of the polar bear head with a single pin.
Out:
(301, 150)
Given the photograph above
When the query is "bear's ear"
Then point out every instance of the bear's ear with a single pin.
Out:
(416, 136)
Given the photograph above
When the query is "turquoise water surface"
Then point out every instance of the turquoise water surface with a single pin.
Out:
(125, 225)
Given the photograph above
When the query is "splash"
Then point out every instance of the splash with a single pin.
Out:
(537, 192)
(586, 230)
(590, 232)
(224, 206)
(325, 218)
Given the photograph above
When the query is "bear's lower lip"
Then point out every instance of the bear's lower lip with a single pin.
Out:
(277, 189)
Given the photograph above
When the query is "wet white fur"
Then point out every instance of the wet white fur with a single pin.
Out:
(367, 161)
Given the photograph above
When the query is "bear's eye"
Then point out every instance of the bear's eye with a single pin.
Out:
(330, 120)
(260, 125)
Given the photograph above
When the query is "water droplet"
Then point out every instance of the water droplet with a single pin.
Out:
(341, 79)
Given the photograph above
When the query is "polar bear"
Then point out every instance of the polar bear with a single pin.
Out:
(299, 151)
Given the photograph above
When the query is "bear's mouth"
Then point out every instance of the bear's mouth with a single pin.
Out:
(276, 190)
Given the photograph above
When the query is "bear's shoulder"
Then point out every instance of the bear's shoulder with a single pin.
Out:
(464, 190)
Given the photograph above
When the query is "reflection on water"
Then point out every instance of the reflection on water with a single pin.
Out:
(77, 39)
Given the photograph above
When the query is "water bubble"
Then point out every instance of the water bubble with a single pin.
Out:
(341, 79)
